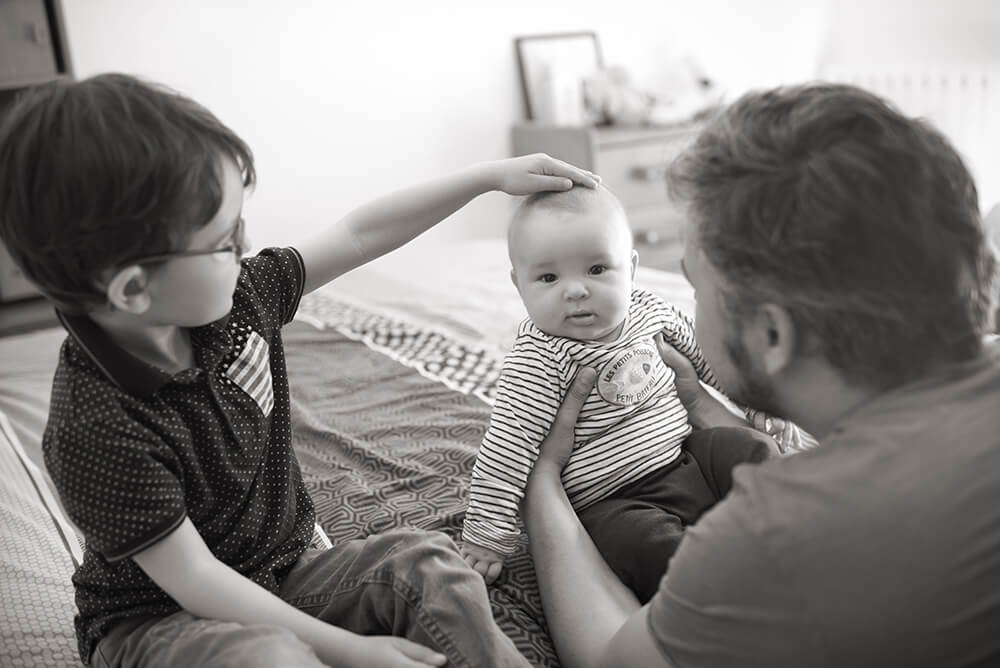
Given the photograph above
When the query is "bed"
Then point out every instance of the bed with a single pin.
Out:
(392, 369)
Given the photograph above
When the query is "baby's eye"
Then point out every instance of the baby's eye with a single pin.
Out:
(598, 269)
(547, 278)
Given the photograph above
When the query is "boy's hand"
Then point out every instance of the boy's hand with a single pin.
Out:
(484, 561)
(392, 652)
(538, 172)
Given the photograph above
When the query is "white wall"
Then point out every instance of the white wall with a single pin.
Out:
(342, 101)
(900, 31)
(948, 35)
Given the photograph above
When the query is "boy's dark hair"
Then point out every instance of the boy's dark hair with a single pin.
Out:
(102, 171)
(862, 223)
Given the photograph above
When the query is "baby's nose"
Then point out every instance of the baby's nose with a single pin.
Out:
(575, 290)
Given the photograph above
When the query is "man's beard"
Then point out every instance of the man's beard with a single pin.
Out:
(752, 386)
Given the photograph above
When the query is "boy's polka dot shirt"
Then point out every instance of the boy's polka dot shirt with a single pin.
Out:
(133, 450)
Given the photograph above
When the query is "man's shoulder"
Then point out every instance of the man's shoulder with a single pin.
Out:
(824, 546)
(856, 511)
(890, 524)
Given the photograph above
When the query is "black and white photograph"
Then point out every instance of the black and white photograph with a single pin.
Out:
(519, 335)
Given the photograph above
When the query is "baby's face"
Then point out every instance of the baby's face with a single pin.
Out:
(574, 271)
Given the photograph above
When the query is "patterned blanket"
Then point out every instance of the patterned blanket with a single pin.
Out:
(387, 421)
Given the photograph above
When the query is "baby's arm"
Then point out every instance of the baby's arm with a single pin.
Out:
(526, 400)
(387, 223)
(679, 333)
(483, 560)
(183, 566)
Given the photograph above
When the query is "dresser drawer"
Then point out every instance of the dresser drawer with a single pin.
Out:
(636, 173)
(657, 223)
(658, 235)
(632, 162)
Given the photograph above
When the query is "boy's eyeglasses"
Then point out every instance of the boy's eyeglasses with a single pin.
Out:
(237, 246)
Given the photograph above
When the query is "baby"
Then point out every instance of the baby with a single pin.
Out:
(636, 475)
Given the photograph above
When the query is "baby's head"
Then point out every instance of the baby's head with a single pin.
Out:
(105, 174)
(573, 263)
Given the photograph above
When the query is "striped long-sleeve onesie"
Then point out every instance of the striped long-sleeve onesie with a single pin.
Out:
(631, 424)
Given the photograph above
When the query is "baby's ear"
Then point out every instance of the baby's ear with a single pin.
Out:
(635, 262)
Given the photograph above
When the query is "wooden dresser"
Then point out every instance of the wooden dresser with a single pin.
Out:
(632, 162)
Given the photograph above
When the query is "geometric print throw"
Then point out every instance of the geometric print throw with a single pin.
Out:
(461, 367)
(383, 445)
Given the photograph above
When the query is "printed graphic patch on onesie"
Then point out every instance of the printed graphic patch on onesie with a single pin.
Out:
(251, 371)
(630, 376)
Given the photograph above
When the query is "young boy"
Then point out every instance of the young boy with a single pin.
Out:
(169, 432)
(638, 475)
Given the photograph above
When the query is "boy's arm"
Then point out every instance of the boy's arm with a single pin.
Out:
(183, 566)
(387, 223)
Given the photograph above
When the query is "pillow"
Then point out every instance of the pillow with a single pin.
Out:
(40, 552)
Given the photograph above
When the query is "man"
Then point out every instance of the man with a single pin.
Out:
(844, 281)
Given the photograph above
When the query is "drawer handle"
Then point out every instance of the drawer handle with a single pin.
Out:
(648, 173)
(38, 34)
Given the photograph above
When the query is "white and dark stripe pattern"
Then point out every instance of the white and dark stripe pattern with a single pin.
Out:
(251, 372)
(631, 424)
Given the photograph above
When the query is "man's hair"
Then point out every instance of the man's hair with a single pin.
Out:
(863, 224)
(102, 171)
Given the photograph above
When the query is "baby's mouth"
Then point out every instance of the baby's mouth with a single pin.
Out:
(582, 316)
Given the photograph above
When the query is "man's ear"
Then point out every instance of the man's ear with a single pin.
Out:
(126, 291)
(772, 338)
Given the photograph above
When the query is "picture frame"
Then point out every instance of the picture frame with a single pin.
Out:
(552, 68)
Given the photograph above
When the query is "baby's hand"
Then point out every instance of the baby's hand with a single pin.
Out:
(484, 561)
(536, 173)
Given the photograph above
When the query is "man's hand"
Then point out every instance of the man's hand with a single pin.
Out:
(689, 388)
(484, 561)
(704, 410)
(536, 173)
(392, 652)
(555, 450)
